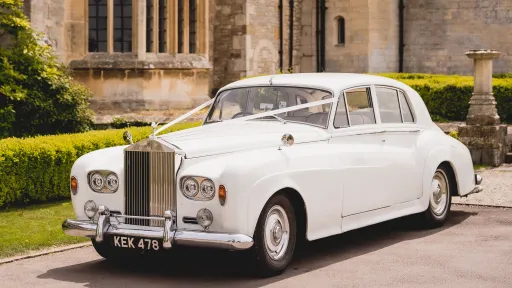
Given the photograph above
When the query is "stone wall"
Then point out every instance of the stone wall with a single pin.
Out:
(229, 49)
(262, 37)
(438, 33)
(383, 39)
(127, 84)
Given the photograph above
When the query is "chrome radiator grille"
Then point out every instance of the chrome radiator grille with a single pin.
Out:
(150, 185)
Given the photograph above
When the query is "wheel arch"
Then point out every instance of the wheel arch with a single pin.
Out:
(299, 206)
(450, 167)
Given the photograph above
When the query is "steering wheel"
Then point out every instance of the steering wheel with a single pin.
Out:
(241, 114)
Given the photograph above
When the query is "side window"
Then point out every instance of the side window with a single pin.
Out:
(341, 117)
(389, 107)
(406, 108)
(360, 106)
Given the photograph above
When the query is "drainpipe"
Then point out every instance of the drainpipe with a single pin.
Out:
(401, 36)
(322, 34)
(281, 35)
(317, 26)
(290, 61)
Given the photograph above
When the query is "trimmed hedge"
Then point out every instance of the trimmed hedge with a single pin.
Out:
(447, 96)
(37, 169)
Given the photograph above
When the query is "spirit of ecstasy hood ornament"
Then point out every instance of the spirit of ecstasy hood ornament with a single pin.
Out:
(154, 126)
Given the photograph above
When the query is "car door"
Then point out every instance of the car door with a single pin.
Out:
(359, 145)
(403, 170)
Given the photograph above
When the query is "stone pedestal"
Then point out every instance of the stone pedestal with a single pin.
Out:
(483, 134)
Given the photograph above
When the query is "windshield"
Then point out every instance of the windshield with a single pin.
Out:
(240, 102)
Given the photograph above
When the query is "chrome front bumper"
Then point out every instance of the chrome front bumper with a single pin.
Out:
(169, 234)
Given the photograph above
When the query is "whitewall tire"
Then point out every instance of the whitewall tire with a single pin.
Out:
(275, 236)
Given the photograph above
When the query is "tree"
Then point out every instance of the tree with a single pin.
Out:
(37, 93)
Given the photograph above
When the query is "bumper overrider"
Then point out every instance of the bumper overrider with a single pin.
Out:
(478, 188)
(169, 235)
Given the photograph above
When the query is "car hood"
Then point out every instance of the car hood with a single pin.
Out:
(228, 137)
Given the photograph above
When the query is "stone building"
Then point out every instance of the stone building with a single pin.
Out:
(160, 54)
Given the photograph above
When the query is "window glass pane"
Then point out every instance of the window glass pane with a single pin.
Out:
(97, 25)
(102, 10)
(406, 109)
(149, 25)
(181, 20)
(241, 102)
(360, 107)
(341, 30)
(389, 107)
(341, 117)
(162, 26)
(122, 25)
(192, 26)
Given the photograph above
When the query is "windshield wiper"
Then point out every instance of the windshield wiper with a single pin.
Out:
(277, 117)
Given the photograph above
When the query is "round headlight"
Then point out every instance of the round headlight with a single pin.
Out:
(112, 182)
(97, 181)
(190, 187)
(204, 218)
(90, 209)
(207, 188)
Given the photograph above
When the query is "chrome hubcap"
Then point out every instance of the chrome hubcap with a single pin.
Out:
(276, 230)
(440, 192)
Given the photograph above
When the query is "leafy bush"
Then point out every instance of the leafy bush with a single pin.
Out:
(37, 94)
(37, 169)
(447, 96)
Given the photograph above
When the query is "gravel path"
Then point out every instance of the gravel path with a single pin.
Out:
(497, 183)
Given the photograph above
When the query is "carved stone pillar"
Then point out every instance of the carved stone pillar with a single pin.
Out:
(483, 134)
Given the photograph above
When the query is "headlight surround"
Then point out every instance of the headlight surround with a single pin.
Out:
(103, 181)
(197, 188)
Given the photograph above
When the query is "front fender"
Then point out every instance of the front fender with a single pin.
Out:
(110, 159)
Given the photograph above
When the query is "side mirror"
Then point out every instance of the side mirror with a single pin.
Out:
(127, 136)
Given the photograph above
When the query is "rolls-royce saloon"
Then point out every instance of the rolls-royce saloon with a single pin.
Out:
(278, 159)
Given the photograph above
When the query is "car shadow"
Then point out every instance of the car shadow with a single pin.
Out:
(201, 267)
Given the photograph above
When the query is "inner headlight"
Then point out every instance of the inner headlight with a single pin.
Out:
(103, 181)
(112, 182)
(190, 187)
(207, 188)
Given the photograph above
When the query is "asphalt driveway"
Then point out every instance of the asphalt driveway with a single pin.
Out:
(474, 249)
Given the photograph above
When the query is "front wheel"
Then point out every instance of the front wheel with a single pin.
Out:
(275, 236)
(440, 198)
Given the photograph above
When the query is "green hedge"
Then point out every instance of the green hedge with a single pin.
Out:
(37, 169)
(447, 96)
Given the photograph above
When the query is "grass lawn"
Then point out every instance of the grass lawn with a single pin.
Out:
(34, 227)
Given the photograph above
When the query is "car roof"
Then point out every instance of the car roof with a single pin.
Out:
(338, 82)
(331, 81)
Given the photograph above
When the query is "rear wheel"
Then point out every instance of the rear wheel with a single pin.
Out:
(275, 236)
(440, 198)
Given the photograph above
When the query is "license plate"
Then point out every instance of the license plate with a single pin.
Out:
(136, 243)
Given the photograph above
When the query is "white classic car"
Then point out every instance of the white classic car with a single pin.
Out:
(278, 159)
